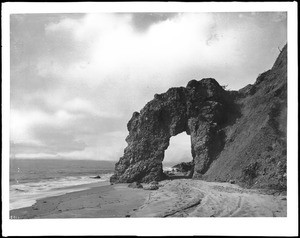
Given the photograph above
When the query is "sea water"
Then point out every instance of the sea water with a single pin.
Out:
(32, 179)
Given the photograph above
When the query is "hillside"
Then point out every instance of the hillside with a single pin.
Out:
(235, 135)
(255, 152)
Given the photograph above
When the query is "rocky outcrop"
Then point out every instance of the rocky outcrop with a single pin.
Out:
(151, 187)
(234, 134)
(184, 166)
(201, 110)
(135, 185)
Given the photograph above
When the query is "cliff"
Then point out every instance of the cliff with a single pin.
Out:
(235, 135)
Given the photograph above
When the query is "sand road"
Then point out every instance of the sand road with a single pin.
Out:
(194, 198)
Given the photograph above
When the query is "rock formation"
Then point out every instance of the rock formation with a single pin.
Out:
(235, 135)
(184, 166)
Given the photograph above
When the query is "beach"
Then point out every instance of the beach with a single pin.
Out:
(31, 180)
(174, 198)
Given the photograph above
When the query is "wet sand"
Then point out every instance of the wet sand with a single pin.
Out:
(103, 201)
(174, 198)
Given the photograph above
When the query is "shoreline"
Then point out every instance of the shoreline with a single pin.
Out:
(174, 198)
(27, 199)
(118, 201)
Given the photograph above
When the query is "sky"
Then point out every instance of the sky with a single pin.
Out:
(76, 79)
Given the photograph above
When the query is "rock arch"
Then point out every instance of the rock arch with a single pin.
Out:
(178, 152)
(200, 109)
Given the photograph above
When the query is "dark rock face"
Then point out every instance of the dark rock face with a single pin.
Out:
(230, 130)
(200, 110)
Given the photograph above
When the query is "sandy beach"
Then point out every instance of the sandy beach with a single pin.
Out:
(174, 198)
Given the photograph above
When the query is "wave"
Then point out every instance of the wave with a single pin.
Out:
(20, 190)
(26, 194)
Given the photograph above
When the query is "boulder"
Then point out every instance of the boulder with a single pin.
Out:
(97, 177)
(151, 187)
(232, 181)
(184, 166)
(135, 185)
(154, 183)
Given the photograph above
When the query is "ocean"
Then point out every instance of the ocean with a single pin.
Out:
(32, 179)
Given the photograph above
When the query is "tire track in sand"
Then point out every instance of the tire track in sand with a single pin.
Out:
(195, 198)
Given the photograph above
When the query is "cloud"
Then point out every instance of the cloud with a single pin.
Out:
(76, 79)
(142, 21)
(175, 155)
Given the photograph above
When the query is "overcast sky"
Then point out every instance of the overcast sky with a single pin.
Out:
(76, 79)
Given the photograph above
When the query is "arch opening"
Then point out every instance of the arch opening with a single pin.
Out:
(178, 160)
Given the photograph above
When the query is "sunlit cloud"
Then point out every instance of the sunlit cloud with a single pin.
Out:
(76, 82)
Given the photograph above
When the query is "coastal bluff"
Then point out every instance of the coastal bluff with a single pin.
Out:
(236, 136)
